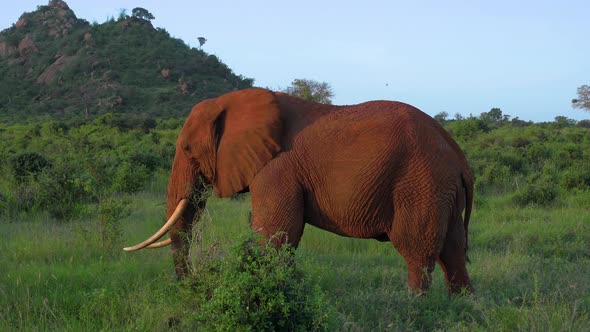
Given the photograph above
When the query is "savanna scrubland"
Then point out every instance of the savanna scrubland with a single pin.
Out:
(71, 196)
(84, 162)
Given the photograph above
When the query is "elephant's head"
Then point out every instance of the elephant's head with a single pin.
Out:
(224, 142)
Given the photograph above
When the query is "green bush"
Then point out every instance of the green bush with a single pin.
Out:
(63, 189)
(468, 128)
(541, 190)
(130, 178)
(567, 154)
(576, 177)
(494, 174)
(537, 154)
(514, 162)
(520, 142)
(28, 164)
(257, 289)
(24, 196)
(110, 213)
(144, 157)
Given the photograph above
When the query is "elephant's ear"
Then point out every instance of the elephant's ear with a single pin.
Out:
(248, 133)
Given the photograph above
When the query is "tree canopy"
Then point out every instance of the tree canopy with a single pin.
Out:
(319, 92)
(142, 13)
(202, 41)
(583, 100)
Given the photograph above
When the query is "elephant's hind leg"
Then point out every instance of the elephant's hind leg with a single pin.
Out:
(419, 240)
(452, 259)
(420, 273)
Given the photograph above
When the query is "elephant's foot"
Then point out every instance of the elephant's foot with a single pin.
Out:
(182, 268)
(182, 263)
(456, 276)
(420, 274)
(458, 281)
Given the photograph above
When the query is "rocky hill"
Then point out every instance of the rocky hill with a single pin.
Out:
(56, 65)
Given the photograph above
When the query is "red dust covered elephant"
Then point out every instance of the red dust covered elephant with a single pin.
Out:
(379, 170)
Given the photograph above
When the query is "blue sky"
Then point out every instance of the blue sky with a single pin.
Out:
(525, 57)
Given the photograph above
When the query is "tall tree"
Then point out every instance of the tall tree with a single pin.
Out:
(202, 41)
(319, 92)
(441, 117)
(494, 117)
(583, 100)
(142, 13)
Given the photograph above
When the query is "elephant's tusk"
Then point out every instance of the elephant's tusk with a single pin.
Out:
(159, 244)
(167, 226)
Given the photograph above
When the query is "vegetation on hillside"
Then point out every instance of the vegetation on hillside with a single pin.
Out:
(56, 65)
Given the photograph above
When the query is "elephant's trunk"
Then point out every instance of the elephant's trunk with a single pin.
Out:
(186, 183)
(187, 196)
(181, 233)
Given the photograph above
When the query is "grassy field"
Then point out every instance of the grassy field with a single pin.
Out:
(530, 268)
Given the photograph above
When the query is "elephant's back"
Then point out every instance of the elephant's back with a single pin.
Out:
(355, 156)
(375, 132)
(375, 123)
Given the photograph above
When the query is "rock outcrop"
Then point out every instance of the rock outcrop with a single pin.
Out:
(51, 73)
(26, 47)
(58, 4)
(183, 87)
(22, 22)
(6, 50)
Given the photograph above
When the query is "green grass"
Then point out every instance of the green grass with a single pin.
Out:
(530, 267)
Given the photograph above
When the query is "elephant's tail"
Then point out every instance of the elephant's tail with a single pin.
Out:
(467, 179)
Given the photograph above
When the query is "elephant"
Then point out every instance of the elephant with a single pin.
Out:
(379, 170)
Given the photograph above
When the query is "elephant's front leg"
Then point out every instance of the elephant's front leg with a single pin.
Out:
(277, 206)
(181, 236)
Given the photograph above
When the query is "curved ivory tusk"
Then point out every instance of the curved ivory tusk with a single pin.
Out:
(159, 244)
(167, 226)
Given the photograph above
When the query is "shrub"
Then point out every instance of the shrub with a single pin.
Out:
(494, 174)
(130, 178)
(28, 164)
(468, 128)
(520, 142)
(514, 162)
(257, 289)
(110, 213)
(576, 177)
(538, 153)
(567, 154)
(144, 157)
(63, 189)
(563, 121)
(24, 196)
(167, 152)
(54, 127)
(541, 190)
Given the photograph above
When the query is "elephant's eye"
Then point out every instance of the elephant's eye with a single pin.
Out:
(186, 147)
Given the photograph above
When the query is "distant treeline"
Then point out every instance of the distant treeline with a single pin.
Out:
(65, 168)
(535, 162)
